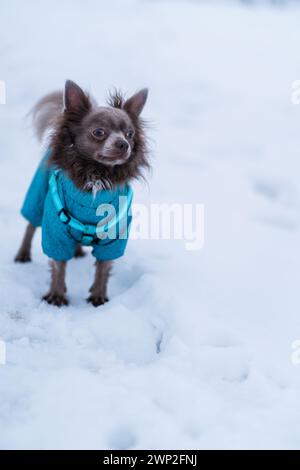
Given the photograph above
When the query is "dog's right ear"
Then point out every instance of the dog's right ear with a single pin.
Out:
(75, 100)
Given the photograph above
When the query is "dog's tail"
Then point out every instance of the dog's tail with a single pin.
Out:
(46, 113)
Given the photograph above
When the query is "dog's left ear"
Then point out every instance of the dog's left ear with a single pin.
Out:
(135, 105)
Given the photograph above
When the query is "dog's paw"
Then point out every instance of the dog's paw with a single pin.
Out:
(23, 257)
(56, 299)
(79, 252)
(97, 300)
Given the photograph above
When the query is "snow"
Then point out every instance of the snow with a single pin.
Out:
(194, 348)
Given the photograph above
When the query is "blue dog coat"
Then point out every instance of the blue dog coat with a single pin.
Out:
(59, 239)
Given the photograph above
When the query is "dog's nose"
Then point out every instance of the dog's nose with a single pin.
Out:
(122, 145)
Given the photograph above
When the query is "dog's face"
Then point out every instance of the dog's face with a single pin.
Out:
(107, 135)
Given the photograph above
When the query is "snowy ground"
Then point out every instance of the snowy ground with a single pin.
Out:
(193, 351)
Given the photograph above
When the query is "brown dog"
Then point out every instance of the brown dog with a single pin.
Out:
(99, 149)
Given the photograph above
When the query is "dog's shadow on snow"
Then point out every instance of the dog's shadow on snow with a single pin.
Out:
(80, 272)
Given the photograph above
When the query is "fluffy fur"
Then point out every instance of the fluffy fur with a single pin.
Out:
(72, 156)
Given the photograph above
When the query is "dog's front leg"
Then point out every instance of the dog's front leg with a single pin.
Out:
(24, 253)
(79, 252)
(99, 288)
(57, 293)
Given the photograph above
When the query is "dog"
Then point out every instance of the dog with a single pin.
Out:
(94, 153)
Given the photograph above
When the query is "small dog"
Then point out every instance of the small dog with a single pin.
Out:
(94, 152)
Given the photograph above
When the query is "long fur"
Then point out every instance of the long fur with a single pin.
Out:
(48, 114)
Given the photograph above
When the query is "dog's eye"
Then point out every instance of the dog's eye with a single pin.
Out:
(129, 134)
(98, 133)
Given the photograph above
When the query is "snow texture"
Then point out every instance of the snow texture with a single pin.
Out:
(194, 348)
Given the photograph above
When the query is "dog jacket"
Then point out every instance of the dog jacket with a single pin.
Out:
(68, 216)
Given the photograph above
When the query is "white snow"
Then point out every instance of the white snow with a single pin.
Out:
(194, 348)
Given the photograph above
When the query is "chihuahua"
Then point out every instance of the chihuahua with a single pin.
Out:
(94, 152)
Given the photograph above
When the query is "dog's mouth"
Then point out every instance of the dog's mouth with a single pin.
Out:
(113, 159)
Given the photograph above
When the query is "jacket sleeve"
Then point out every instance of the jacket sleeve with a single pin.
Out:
(33, 206)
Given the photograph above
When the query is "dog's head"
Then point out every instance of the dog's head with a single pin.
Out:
(105, 142)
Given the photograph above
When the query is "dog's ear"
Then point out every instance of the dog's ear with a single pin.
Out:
(75, 100)
(134, 105)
